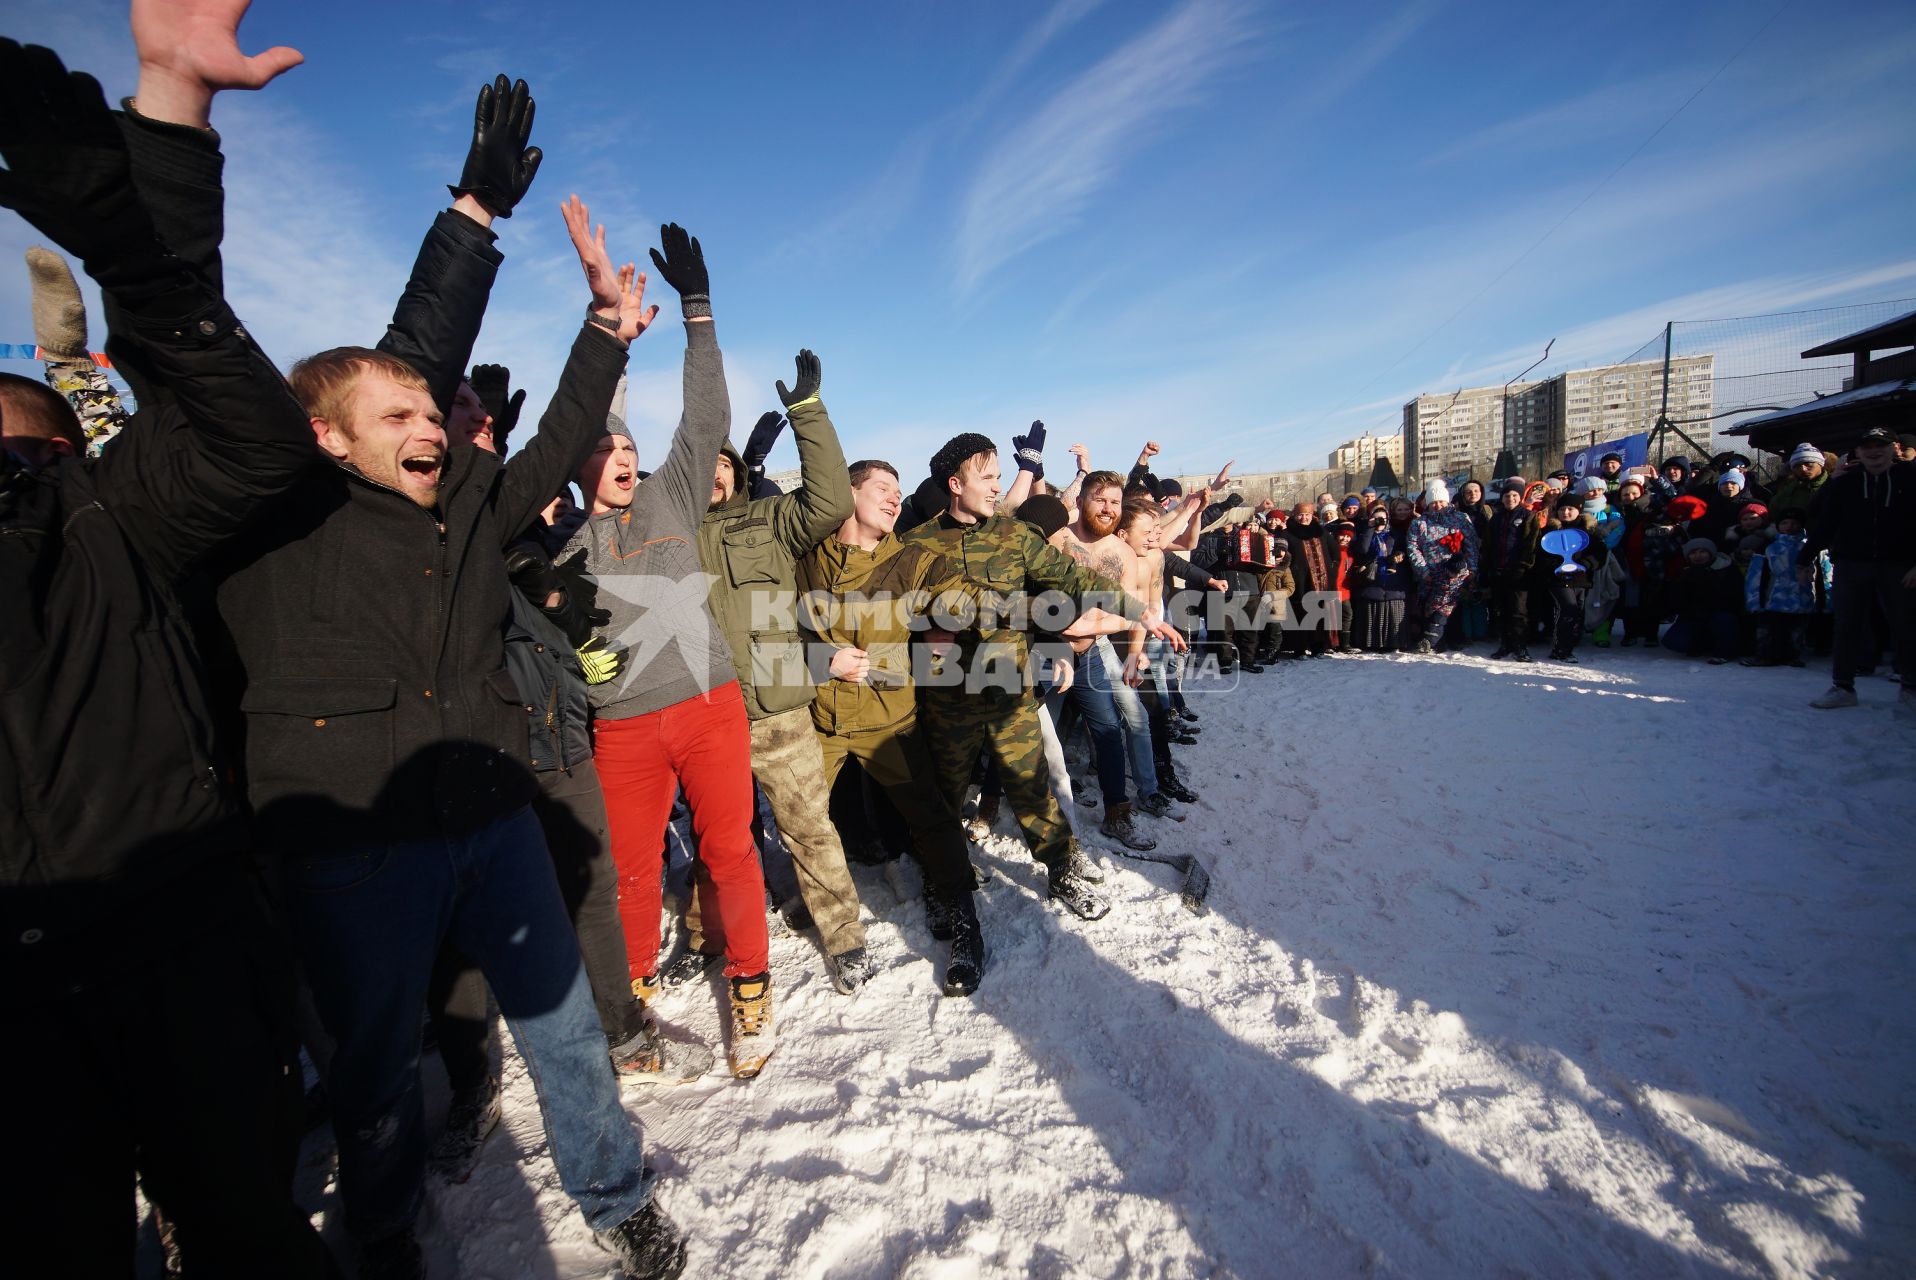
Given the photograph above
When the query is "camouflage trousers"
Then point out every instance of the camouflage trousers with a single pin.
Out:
(790, 769)
(895, 758)
(957, 726)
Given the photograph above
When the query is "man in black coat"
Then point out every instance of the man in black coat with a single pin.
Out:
(1866, 519)
(386, 748)
(146, 990)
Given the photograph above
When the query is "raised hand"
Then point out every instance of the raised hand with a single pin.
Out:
(634, 316)
(600, 275)
(499, 165)
(1083, 454)
(189, 51)
(683, 266)
(1223, 474)
(1147, 453)
(758, 445)
(67, 168)
(1028, 449)
(805, 380)
(492, 384)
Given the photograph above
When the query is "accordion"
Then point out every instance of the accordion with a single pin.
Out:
(1249, 548)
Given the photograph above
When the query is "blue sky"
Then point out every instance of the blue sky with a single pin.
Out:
(1237, 228)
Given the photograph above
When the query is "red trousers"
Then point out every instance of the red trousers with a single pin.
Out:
(703, 744)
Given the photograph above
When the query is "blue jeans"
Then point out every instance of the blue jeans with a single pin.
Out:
(1101, 722)
(370, 920)
(1137, 725)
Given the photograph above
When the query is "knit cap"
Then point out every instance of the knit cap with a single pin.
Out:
(1699, 544)
(1806, 453)
(1733, 476)
(1437, 491)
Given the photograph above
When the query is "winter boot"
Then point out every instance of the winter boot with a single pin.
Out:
(752, 1041)
(1503, 651)
(1837, 696)
(647, 1245)
(938, 915)
(1423, 645)
(1169, 784)
(473, 1116)
(1118, 826)
(1082, 865)
(1074, 895)
(1187, 714)
(1158, 806)
(687, 967)
(1522, 655)
(649, 1058)
(967, 963)
(850, 970)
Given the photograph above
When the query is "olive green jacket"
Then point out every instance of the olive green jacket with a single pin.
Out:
(871, 600)
(750, 550)
(1010, 559)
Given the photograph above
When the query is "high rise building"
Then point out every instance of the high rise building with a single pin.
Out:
(1451, 433)
(1357, 457)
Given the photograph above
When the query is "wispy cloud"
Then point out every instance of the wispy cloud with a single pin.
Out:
(1611, 111)
(1355, 64)
(1037, 183)
(1061, 17)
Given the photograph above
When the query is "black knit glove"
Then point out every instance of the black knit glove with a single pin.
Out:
(758, 445)
(500, 166)
(683, 267)
(806, 380)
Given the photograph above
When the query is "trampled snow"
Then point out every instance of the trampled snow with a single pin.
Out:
(1508, 971)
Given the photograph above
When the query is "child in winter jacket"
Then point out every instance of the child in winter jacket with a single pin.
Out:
(1708, 598)
(1570, 580)
(1780, 601)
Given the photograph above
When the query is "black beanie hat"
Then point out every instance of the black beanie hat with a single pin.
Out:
(968, 444)
(1044, 512)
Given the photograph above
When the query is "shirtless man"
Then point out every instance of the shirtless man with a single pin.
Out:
(1102, 691)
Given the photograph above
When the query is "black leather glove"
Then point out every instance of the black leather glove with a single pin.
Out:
(806, 379)
(532, 573)
(68, 172)
(1028, 450)
(683, 267)
(500, 165)
(758, 445)
(491, 383)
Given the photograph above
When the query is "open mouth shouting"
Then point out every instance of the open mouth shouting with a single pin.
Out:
(421, 470)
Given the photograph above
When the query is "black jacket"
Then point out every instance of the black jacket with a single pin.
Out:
(370, 635)
(112, 784)
(545, 670)
(1858, 516)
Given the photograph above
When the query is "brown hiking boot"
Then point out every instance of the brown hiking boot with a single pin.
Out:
(752, 1041)
(1118, 826)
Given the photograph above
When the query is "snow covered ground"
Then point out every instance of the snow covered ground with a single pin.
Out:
(1508, 971)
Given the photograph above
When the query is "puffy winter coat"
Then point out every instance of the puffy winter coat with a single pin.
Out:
(1510, 548)
(1590, 559)
(1770, 585)
(1443, 542)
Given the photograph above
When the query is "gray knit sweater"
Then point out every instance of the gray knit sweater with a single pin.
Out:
(645, 559)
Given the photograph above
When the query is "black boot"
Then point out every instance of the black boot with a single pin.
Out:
(647, 1245)
(967, 963)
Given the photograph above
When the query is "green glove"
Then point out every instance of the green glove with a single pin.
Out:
(600, 663)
